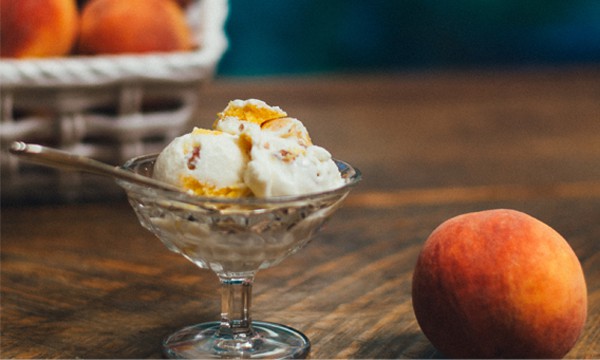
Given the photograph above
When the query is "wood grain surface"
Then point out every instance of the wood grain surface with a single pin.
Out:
(85, 280)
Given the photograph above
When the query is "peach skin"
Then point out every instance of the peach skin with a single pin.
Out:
(499, 284)
(37, 28)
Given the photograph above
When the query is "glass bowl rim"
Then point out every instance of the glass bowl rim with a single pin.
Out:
(354, 176)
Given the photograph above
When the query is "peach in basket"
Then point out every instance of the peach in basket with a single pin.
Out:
(37, 28)
(133, 26)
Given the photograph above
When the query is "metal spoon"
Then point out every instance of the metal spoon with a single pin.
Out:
(61, 159)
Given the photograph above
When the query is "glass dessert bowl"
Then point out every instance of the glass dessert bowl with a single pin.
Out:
(234, 238)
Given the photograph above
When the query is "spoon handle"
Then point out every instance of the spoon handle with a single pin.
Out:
(64, 160)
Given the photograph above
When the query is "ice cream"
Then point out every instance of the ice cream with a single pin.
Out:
(253, 150)
(204, 162)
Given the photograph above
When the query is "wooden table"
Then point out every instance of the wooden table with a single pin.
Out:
(85, 280)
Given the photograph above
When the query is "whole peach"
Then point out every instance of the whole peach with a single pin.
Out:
(37, 28)
(499, 284)
(133, 26)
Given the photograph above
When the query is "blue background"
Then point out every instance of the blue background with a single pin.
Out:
(307, 36)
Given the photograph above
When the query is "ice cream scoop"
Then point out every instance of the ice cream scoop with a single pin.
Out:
(205, 163)
(253, 150)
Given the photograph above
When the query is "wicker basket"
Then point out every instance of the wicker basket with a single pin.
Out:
(110, 108)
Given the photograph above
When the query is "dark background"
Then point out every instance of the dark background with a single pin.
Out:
(312, 36)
